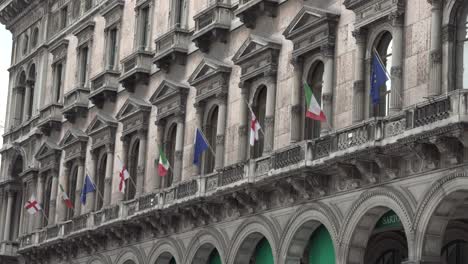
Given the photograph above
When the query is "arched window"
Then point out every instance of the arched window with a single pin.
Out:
(46, 200)
(315, 81)
(133, 170)
(58, 71)
(32, 84)
(170, 152)
(462, 49)
(263, 253)
(20, 96)
(214, 257)
(25, 43)
(455, 252)
(259, 108)
(100, 181)
(35, 37)
(72, 181)
(211, 127)
(383, 46)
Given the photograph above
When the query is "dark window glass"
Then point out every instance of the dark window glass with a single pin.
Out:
(384, 49)
(100, 176)
(211, 128)
(133, 158)
(259, 109)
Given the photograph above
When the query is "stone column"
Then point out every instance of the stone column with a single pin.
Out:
(161, 124)
(108, 178)
(328, 53)
(79, 186)
(359, 85)
(270, 114)
(142, 134)
(199, 114)
(3, 206)
(91, 197)
(179, 148)
(53, 200)
(61, 208)
(296, 103)
(9, 211)
(435, 85)
(220, 131)
(244, 123)
(40, 200)
(396, 94)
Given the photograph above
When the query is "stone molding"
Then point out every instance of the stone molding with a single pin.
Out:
(170, 99)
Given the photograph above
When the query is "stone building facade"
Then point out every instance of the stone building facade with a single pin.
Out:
(98, 84)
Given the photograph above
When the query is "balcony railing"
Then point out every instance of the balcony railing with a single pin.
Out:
(172, 47)
(76, 103)
(136, 68)
(50, 117)
(104, 87)
(375, 133)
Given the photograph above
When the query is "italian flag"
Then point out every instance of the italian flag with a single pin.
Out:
(66, 199)
(163, 166)
(314, 111)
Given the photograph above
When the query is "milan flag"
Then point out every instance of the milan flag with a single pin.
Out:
(123, 175)
(32, 206)
(254, 129)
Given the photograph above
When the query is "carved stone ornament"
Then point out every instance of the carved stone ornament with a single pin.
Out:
(311, 30)
(112, 12)
(257, 56)
(369, 11)
(210, 78)
(59, 50)
(448, 33)
(134, 115)
(74, 144)
(102, 130)
(84, 33)
(170, 99)
(49, 156)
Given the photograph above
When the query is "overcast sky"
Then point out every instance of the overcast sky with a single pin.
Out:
(5, 59)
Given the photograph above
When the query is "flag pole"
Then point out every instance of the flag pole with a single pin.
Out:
(62, 190)
(133, 182)
(43, 214)
(252, 112)
(97, 190)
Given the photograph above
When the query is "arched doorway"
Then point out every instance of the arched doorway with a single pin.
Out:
(388, 243)
(255, 249)
(165, 258)
(320, 249)
(214, 257)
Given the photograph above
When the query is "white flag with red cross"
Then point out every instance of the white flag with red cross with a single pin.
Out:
(32, 206)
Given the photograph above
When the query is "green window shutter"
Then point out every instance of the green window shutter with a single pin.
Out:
(215, 258)
(321, 250)
(263, 253)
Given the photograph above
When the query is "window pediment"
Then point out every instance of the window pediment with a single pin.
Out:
(85, 32)
(113, 12)
(102, 130)
(48, 155)
(74, 144)
(257, 56)
(170, 98)
(134, 115)
(210, 78)
(368, 12)
(311, 29)
(59, 50)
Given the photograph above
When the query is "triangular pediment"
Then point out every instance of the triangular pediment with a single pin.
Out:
(132, 106)
(100, 122)
(206, 68)
(167, 89)
(48, 148)
(253, 45)
(308, 19)
(73, 135)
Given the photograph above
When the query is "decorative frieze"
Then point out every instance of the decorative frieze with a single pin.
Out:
(171, 100)
(74, 144)
(85, 32)
(48, 156)
(134, 115)
(59, 50)
(112, 12)
(102, 130)
(368, 12)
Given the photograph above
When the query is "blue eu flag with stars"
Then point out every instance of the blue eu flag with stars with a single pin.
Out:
(200, 146)
(378, 79)
(88, 187)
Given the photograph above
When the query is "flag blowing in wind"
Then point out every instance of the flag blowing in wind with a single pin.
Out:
(32, 206)
(123, 176)
(68, 202)
(163, 166)
(88, 187)
(254, 128)
(314, 111)
(378, 78)
(200, 146)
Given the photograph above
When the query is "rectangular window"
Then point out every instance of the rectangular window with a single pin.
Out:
(144, 28)
(63, 17)
(83, 72)
(112, 48)
(58, 71)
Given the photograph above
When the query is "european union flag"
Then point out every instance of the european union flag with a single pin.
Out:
(88, 187)
(200, 146)
(378, 79)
